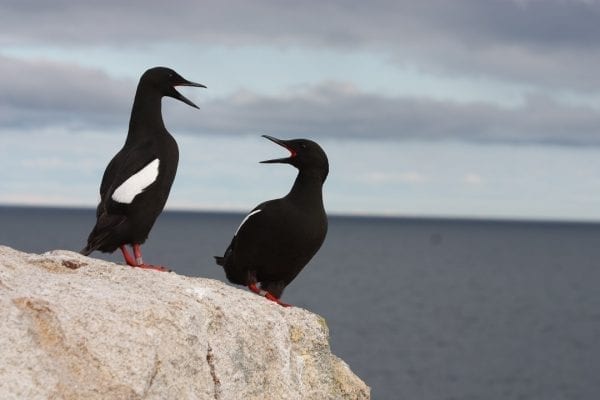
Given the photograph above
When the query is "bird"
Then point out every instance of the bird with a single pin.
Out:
(277, 238)
(137, 181)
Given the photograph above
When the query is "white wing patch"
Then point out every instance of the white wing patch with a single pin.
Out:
(136, 183)
(246, 219)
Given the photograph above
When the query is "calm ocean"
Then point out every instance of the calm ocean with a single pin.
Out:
(419, 308)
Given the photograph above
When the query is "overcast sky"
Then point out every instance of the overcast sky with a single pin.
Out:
(435, 108)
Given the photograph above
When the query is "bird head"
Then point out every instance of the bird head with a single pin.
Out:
(304, 154)
(165, 80)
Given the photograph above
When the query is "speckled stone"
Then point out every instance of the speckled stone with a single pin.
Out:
(74, 327)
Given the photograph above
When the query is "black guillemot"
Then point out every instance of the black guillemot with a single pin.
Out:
(137, 181)
(279, 237)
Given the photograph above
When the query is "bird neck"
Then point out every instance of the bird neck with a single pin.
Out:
(307, 188)
(146, 114)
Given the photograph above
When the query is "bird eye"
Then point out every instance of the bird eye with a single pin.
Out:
(303, 145)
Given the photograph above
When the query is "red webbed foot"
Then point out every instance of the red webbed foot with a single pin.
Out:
(153, 267)
(138, 262)
(267, 295)
(276, 300)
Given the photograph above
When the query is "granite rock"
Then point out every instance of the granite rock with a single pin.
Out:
(74, 327)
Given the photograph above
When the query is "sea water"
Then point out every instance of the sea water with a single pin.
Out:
(419, 308)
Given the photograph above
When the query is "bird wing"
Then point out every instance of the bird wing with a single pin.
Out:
(252, 219)
(246, 218)
(128, 174)
(259, 218)
(266, 227)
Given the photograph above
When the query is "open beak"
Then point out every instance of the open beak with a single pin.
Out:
(282, 143)
(181, 97)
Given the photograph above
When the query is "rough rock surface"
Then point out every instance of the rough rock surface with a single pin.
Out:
(73, 327)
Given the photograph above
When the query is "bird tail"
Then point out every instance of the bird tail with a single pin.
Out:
(102, 232)
(225, 260)
(86, 251)
(95, 240)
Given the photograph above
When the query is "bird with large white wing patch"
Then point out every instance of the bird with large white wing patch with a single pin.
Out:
(137, 181)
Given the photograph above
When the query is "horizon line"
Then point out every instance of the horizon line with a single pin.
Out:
(342, 214)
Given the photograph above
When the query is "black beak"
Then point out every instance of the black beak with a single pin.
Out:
(282, 143)
(181, 97)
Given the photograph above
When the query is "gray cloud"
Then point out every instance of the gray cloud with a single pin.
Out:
(547, 23)
(549, 43)
(339, 110)
(42, 94)
(38, 93)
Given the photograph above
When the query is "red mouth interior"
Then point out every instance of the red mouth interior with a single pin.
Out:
(292, 152)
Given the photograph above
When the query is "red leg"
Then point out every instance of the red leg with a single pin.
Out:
(137, 252)
(139, 262)
(128, 259)
(267, 295)
(254, 288)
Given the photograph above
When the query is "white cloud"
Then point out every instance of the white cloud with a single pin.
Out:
(379, 178)
(402, 178)
(44, 163)
(473, 178)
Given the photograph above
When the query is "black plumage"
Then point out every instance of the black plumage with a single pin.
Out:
(137, 181)
(279, 237)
